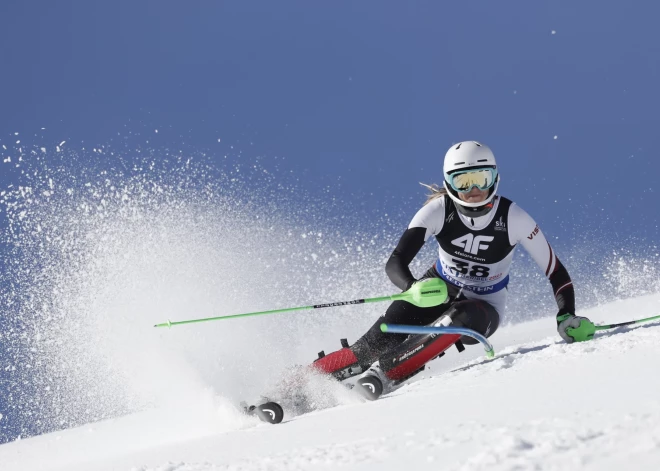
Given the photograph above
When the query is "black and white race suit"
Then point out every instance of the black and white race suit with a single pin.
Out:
(475, 254)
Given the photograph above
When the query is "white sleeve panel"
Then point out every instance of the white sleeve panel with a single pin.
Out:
(431, 217)
(523, 229)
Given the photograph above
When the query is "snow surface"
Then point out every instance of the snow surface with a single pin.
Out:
(540, 404)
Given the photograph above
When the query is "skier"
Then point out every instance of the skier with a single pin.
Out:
(477, 231)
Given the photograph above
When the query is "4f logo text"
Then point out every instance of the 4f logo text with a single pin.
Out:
(471, 244)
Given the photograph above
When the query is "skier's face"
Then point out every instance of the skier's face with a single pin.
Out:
(475, 195)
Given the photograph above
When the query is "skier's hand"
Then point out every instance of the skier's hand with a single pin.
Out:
(428, 292)
(573, 328)
(452, 291)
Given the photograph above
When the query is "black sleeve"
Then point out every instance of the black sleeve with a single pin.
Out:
(409, 245)
(562, 286)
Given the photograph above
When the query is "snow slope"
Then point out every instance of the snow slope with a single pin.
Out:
(540, 404)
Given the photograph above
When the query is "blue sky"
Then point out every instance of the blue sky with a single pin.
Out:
(355, 94)
(361, 97)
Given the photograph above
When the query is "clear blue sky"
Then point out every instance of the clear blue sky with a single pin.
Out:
(357, 93)
(360, 96)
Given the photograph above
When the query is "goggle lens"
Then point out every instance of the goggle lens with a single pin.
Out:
(465, 181)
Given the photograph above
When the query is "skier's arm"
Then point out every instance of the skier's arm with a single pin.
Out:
(571, 328)
(525, 230)
(397, 266)
(427, 222)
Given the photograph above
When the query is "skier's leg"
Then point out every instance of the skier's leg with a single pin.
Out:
(411, 355)
(474, 314)
(341, 364)
(352, 360)
(367, 349)
(374, 343)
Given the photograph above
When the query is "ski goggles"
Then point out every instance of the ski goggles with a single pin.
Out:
(464, 180)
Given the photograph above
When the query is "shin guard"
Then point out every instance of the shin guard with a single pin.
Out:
(414, 353)
(341, 364)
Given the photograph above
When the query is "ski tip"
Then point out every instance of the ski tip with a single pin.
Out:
(270, 412)
(370, 388)
(383, 327)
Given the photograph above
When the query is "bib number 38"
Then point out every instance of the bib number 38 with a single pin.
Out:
(466, 268)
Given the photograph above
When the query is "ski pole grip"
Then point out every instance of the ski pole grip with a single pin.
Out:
(430, 292)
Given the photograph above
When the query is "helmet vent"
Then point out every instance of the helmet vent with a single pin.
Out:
(482, 160)
(459, 146)
(478, 145)
(459, 163)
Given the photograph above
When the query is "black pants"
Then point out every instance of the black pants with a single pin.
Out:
(376, 345)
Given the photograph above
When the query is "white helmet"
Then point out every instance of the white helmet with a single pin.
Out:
(466, 156)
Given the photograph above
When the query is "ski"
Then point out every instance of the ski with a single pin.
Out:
(369, 387)
(269, 412)
(372, 388)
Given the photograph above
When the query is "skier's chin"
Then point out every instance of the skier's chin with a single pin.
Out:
(476, 198)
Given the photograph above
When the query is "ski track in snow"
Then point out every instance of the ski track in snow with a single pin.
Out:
(539, 405)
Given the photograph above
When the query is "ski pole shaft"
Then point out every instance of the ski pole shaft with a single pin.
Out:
(277, 311)
(621, 324)
(416, 329)
(431, 292)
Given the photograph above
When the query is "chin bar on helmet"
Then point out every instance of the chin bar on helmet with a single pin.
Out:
(473, 210)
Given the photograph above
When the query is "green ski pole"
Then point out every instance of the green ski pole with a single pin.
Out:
(587, 329)
(639, 321)
(428, 293)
